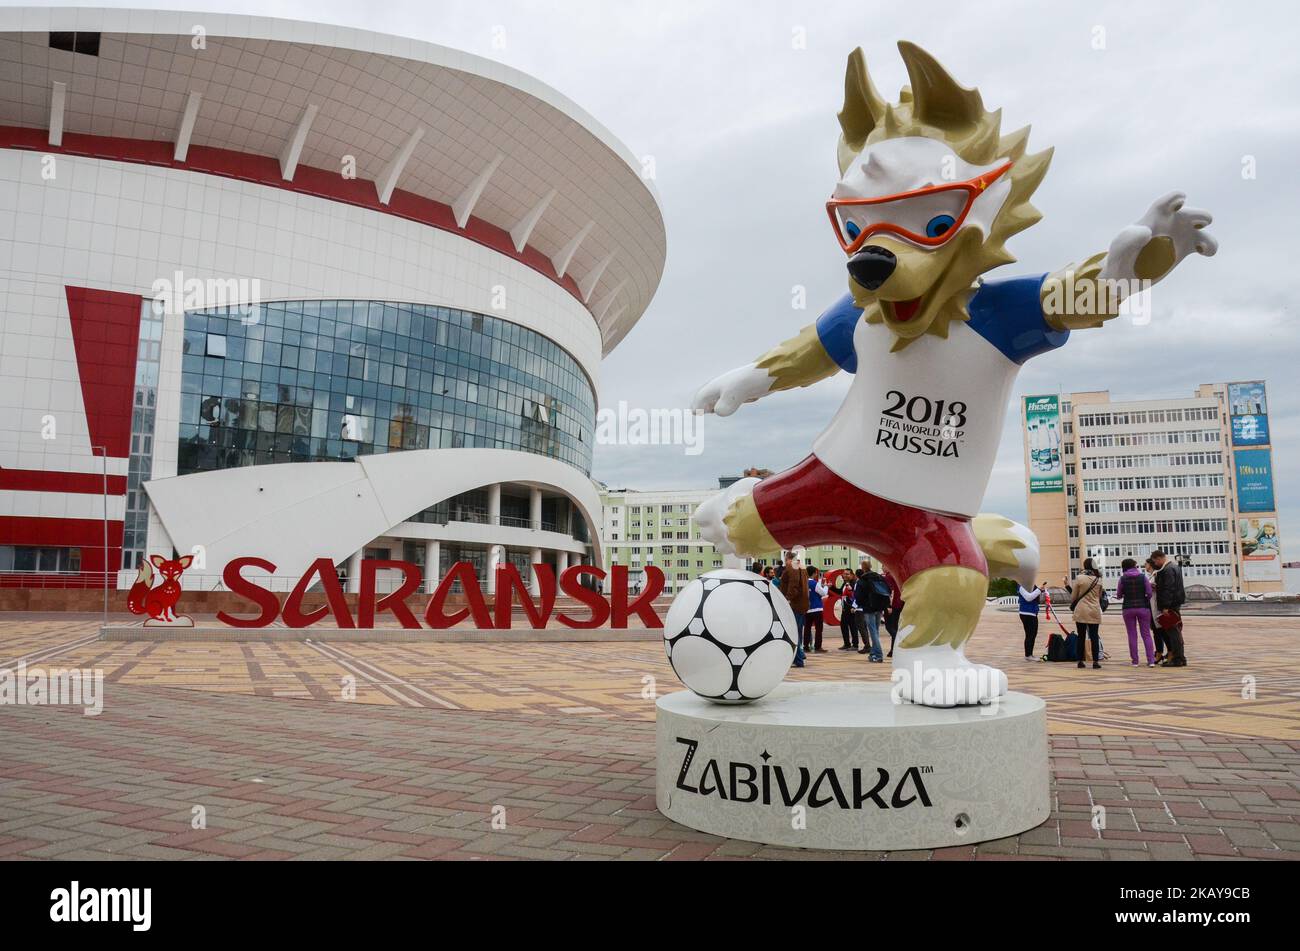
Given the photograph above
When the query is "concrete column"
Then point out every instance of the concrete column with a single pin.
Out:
(535, 509)
(561, 562)
(494, 559)
(494, 503)
(432, 558)
(354, 572)
(535, 559)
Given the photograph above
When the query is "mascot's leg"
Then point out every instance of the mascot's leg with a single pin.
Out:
(804, 505)
(943, 605)
(730, 520)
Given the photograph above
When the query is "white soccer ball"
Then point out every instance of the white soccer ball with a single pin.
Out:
(730, 636)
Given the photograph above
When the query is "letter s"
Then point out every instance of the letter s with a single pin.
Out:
(238, 584)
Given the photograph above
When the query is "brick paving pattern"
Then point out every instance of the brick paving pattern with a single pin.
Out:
(1187, 764)
(1244, 678)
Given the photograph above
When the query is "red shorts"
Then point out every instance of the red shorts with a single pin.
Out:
(810, 505)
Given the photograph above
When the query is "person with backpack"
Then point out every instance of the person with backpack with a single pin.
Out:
(1030, 601)
(1134, 594)
(1086, 593)
(1170, 597)
(794, 585)
(813, 624)
(873, 597)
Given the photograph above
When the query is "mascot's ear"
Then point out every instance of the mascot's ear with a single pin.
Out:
(939, 100)
(186, 561)
(157, 560)
(863, 108)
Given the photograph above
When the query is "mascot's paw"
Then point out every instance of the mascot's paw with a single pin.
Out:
(1167, 233)
(941, 676)
(725, 394)
(711, 515)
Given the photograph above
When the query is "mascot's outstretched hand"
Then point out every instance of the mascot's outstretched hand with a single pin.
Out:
(1153, 247)
(1141, 255)
(724, 394)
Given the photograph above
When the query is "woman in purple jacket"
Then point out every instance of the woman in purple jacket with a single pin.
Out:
(1134, 592)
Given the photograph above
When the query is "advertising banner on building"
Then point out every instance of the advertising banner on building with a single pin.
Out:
(1250, 430)
(1247, 399)
(1248, 406)
(1043, 434)
(1254, 474)
(1261, 549)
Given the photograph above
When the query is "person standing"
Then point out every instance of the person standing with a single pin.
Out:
(817, 590)
(872, 596)
(1030, 602)
(1170, 597)
(858, 625)
(1157, 635)
(895, 610)
(848, 633)
(794, 585)
(1134, 593)
(1085, 605)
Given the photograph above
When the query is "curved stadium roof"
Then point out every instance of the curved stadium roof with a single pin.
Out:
(438, 134)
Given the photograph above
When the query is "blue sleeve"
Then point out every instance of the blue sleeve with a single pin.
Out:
(835, 331)
(1009, 315)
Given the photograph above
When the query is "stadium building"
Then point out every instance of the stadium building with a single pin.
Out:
(294, 291)
(1193, 476)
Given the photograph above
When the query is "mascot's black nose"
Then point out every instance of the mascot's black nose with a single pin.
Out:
(872, 266)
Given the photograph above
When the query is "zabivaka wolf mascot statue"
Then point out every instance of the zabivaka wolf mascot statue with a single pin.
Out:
(929, 192)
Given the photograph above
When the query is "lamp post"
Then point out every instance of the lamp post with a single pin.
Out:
(102, 452)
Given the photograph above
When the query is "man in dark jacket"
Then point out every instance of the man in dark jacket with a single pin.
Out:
(872, 596)
(1170, 598)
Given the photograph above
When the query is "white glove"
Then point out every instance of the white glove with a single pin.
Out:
(724, 394)
(1169, 217)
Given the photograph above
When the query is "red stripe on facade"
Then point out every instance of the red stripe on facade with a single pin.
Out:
(84, 533)
(82, 483)
(106, 336)
(264, 170)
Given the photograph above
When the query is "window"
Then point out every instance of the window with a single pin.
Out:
(405, 376)
(84, 43)
(48, 560)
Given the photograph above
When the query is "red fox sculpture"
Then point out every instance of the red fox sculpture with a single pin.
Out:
(160, 602)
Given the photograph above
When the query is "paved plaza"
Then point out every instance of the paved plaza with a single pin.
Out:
(555, 742)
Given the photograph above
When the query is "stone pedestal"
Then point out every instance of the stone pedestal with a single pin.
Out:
(840, 766)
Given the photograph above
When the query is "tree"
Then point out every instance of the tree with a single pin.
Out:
(1001, 587)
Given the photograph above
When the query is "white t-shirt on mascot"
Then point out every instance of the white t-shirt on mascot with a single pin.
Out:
(921, 426)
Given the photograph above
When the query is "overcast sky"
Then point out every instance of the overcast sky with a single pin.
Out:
(740, 119)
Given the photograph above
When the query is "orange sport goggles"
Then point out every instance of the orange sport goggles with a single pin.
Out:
(929, 216)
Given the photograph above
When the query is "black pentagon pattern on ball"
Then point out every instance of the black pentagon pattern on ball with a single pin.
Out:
(713, 584)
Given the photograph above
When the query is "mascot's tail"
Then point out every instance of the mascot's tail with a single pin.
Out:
(143, 582)
(1010, 548)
